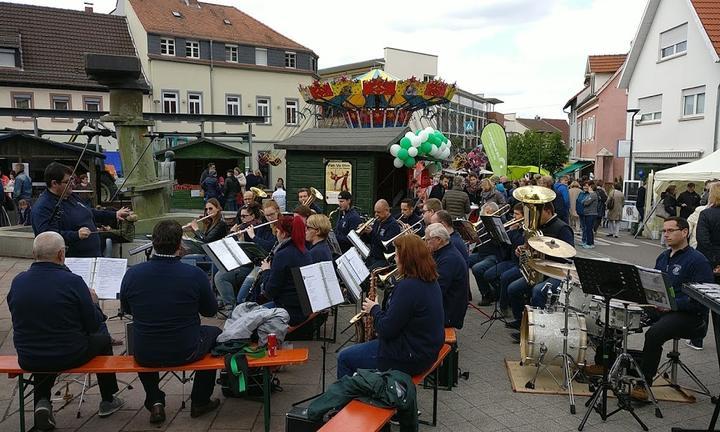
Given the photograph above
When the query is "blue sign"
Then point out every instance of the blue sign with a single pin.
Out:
(469, 126)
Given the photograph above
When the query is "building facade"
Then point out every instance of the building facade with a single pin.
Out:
(672, 75)
(597, 118)
(202, 58)
(42, 65)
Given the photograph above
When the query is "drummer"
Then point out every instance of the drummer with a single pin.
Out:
(551, 226)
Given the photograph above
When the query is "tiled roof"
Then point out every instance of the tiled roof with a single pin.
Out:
(606, 63)
(207, 21)
(547, 125)
(53, 42)
(709, 13)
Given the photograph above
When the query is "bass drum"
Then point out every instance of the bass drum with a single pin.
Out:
(542, 329)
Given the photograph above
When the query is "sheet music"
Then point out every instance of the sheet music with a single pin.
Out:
(358, 243)
(357, 265)
(83, 267)
(109, 273)
(332, 285)
(657, 292)
(236, 251)
(223, 254)
(345, 273)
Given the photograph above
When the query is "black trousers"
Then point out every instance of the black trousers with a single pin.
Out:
(670, 325)
(98, 344)
(204, 381)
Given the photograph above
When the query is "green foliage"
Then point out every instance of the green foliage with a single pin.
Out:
(533, 148)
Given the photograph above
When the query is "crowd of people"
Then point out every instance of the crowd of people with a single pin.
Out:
(422, 243)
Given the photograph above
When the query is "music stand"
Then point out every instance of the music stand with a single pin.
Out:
(622, 282)
(495, 228)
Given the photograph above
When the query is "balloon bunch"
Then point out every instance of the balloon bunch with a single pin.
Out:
(426, 143)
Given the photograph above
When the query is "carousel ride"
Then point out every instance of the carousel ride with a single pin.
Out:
(376, 99)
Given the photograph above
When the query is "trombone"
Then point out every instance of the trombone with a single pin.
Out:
(386, 243)
(314, 195)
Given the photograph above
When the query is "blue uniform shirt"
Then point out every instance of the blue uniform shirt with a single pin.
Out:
(320, 251)
(347, 222)
(460, 245)
(685, 266)
(454, 284)
(383, 231)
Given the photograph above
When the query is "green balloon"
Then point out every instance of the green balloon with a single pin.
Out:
(402, 154)
(405, 143)
(425, 147)
(410, 162)
(433, 139)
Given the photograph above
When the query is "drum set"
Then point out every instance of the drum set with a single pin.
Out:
(560, 334)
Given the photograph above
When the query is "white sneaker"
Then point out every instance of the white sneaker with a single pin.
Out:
(690, 344)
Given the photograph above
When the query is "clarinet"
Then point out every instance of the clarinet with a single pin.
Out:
(256, 289)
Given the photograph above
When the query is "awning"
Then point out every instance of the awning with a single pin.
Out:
(575, 166)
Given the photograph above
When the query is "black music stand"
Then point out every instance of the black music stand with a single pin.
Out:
(494, 226)
(610, 280)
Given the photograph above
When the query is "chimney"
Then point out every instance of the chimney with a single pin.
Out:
(89, 7)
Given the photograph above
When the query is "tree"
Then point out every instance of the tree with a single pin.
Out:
(543, 149)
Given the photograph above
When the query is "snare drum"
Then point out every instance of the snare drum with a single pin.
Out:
(540, 328)
(579, 301)
(617, 315)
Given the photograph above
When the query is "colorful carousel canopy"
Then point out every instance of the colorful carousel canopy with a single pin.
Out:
(376, 98)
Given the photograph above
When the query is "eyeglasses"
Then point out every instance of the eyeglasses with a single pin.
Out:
(671, 230)
(313, 228)
(209, 209)
(245, 215)
(271, 215)
(426, 210)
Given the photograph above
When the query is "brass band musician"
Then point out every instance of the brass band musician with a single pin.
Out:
(348, 220)
(385, 228)
(453, 276)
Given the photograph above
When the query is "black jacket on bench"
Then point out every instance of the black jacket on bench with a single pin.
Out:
(52, 315)
(165, 297)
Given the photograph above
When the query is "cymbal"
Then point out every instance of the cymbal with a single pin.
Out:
(552, 246)
(541, 267)
(558, 265)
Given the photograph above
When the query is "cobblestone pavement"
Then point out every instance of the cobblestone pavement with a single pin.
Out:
(484, 402)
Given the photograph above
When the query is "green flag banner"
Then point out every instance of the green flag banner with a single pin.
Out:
(495, 146)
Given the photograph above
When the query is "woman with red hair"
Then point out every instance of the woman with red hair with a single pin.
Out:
(278, 284)
(410, 332)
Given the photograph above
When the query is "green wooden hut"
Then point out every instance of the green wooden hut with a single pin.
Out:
(190, 161)
(366, 150)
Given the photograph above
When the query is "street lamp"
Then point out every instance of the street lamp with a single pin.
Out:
(634, 112)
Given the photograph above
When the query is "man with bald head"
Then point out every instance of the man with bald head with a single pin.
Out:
(384, 228)
(56, 321)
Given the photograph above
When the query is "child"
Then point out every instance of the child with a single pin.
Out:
(24, 212)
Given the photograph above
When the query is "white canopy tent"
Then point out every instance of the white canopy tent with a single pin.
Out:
(697, 172)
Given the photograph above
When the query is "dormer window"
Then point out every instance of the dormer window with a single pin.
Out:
(227, 22)
(673, 42)
(8, 58)
(290, 59)
(177, 14)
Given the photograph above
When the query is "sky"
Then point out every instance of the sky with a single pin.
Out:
(529, 53)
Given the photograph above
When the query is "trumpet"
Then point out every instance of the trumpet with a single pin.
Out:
(386, 243)
(499, 212)
(187, 225)
(314, 195)
(364, 225)
(242, 231)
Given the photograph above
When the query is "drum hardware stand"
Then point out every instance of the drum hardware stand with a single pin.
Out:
(611, 279)
(568, 362)
(669, 370)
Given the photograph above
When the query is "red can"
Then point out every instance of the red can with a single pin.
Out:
(272, 345)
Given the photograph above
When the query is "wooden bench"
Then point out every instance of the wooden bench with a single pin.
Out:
(126, 364)
(451, 339)
(359, 416)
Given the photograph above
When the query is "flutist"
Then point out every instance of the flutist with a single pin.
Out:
(214, 226)
(59, 209)
(410, 332)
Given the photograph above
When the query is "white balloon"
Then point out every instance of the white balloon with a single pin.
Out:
(409, 135)
(429, 130)
(413, 151)
(398, 163)
(424, 135)
(394, 149)
(446, 154)
(415, 141)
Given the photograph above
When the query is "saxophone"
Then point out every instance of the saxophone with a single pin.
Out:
(365, 327)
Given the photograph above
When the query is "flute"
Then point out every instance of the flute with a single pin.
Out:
(242, 231)
(186, 226)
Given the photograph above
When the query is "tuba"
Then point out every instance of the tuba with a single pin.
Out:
(533, 199)
(314, 195)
